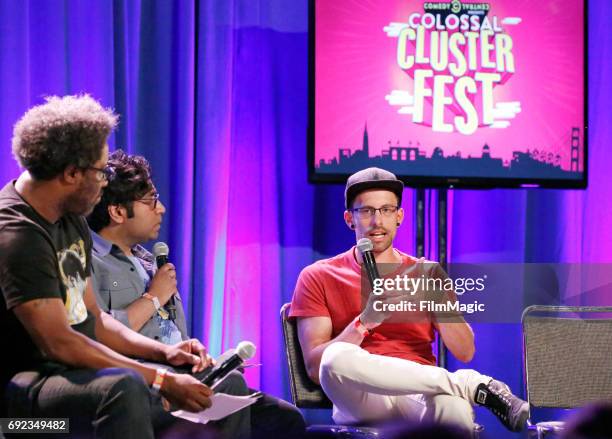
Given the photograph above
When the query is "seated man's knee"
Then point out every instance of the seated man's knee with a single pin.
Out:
(291, 418)
(452, 410)
(102, 400)
(19, 394)
(272, 417)
(233, 384)
(336, 360)
(128, 389)
(124, 378)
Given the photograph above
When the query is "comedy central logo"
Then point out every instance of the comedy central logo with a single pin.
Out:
(455, 7)
(454, 54)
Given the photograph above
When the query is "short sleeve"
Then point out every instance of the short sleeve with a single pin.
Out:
(99, 282)
(309, 294)
(28, 266)
(96, 270)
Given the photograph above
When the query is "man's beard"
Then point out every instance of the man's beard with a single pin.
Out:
(380, 247)
(80, 202)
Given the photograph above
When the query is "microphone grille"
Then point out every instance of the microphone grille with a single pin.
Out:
(364, 245)
(245, 350)
(161, 249)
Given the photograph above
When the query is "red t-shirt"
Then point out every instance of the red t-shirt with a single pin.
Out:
(332, 288)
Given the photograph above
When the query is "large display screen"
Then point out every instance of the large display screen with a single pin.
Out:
(449, 93)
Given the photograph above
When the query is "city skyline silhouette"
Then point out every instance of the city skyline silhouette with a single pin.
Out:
(411, 160)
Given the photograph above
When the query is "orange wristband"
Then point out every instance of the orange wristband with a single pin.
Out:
(160, 374)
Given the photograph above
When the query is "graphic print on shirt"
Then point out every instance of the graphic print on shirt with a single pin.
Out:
(72, 263)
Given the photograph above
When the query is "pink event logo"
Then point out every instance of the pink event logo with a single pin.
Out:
(456, 54)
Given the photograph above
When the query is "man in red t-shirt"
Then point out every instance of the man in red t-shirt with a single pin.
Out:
(370, 365)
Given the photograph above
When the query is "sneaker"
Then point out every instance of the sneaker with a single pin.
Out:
(511, 410)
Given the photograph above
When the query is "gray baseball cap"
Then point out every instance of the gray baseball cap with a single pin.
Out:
(372, 178)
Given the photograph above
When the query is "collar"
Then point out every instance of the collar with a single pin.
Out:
(142, 253)
(100, 245)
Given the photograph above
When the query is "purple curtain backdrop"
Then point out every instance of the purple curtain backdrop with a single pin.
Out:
(214, 94)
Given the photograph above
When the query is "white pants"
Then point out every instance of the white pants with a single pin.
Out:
(365, 387)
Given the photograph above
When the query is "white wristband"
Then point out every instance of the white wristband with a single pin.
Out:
(153, 299)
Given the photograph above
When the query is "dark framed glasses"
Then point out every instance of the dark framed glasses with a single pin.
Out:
(150, 201)
(101, 173)
(367, 212)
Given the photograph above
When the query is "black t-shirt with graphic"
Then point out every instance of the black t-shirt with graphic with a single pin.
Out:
(38, 260)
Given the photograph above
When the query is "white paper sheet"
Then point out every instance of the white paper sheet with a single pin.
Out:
(222, 405)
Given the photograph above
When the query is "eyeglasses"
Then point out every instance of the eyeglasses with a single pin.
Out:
(101, 173)
(366, 212)
(150, 201)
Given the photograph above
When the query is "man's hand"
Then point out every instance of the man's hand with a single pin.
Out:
(189, 352)
(185, 392)
(372, 318)
(163, 284)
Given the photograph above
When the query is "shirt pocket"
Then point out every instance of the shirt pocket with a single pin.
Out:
(117, 291)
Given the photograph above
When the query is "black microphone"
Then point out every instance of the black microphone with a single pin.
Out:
(161, 252)
(244, 351)
(364, 245)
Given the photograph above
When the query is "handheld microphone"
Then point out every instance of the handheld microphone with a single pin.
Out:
(244, 351)
(161, 252)
(364, 245)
